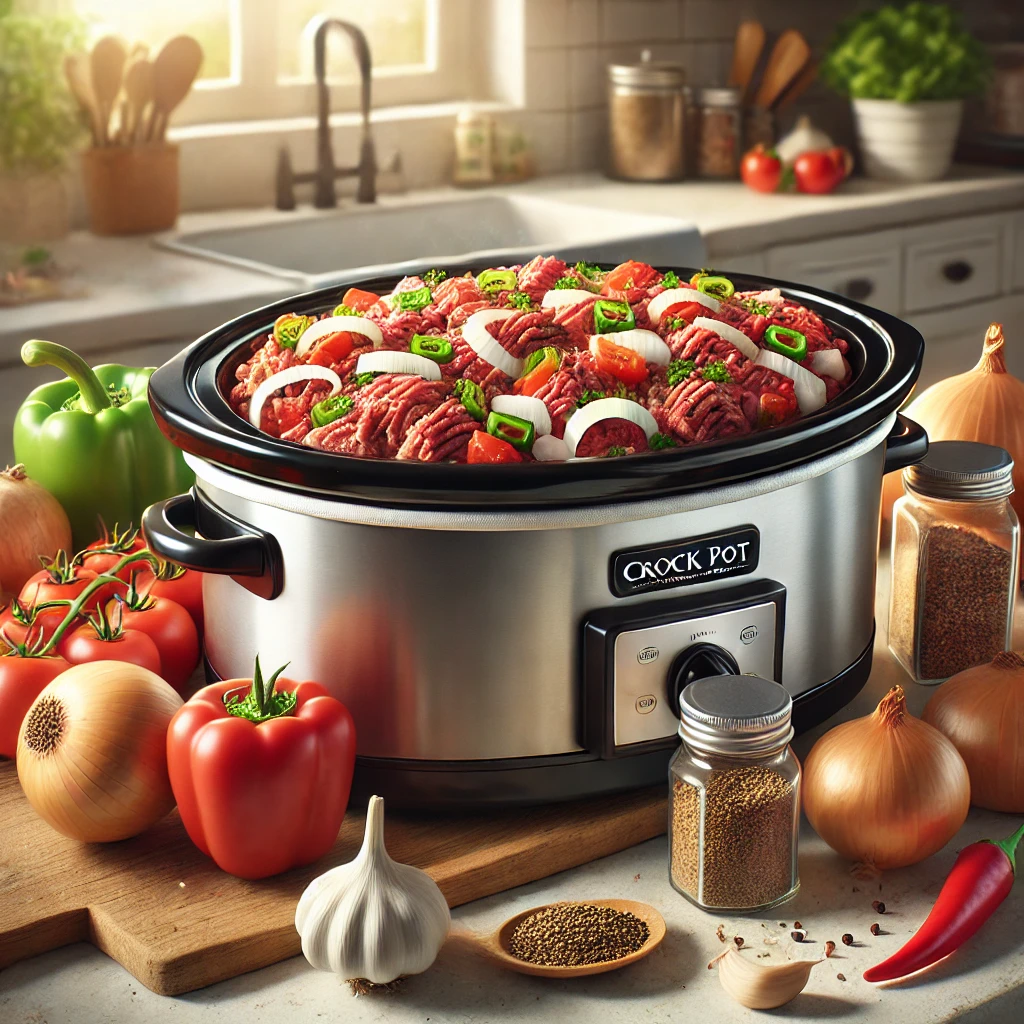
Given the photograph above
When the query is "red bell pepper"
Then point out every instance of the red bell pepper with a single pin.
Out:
(261, 770)
(981, 879)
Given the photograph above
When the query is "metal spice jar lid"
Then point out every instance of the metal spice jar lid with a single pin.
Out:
(720, 96)
(735, 715)
(648, 74)
(962, 471)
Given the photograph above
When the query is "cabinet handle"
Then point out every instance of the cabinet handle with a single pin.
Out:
(957, 271)
(858, 288)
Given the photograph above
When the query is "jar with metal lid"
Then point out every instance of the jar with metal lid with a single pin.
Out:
(734, 795)
(719, 133)
(646, 121)
(955, 543)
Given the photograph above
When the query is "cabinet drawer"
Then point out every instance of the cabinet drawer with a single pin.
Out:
(866, 268)
(952, 263)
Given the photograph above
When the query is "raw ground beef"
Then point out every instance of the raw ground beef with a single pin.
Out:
(612, 434)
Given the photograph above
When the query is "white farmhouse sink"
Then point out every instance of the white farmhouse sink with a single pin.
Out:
(401, 236)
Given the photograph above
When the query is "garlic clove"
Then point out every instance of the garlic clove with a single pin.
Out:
(804, 138)
(761, 986)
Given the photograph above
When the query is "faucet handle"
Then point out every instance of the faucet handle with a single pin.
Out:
(284, 181)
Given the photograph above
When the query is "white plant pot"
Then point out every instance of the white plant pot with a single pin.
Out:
(33, 208)
(907, 141)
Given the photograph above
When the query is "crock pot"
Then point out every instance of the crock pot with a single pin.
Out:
(521, 634)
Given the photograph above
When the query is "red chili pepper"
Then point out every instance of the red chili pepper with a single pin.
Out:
(981, 879)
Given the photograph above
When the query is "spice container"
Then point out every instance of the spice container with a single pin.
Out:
(646, 121)
(474, 148)
(719, 133)
(955, 542)
(734, 795)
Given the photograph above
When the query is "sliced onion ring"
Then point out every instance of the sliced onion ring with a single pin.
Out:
(647, 343)
(809, 388)
(292, 375)
(746, 345)
(334, 324)
(558, 297)
(485, 345)
(607, 409)
(550, 449)
(829, 362)
(670, 296)
(398, 362)
(526, 407)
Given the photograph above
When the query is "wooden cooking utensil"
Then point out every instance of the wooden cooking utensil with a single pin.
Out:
(798, 86)
(745, 53)
(106, 65)
(76, 71)
(497, 946)
(788, 58)
(174, 70)
(138, 90)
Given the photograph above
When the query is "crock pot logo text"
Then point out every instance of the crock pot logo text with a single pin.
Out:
(686, 562)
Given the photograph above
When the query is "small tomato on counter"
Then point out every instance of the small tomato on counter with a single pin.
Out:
(261, 770)
(761, 169)
(23, 676)
(819, 172)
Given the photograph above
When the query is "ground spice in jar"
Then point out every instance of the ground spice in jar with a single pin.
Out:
(575, 934)
(747, 838)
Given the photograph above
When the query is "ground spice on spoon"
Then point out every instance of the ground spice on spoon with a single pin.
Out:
(575, 934)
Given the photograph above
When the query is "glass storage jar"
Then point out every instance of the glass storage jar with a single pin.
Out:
(734, 795)
(955, 542)
(719, 133)
(646, 121)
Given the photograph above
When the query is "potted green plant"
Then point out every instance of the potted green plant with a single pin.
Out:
(907, 71)
(38, 123)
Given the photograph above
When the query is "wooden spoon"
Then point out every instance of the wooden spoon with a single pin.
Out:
(138, 89)
(798, 86)
(106, 64)
(788, 58)
(76, 71)
(745, 53)
(497, 946)
(174, 70)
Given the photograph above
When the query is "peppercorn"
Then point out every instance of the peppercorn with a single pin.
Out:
(847, 939)
(830, 948)
(841, 977)
(878, 907)
(797, 924)
(738, 939)
(797, 936)
(875, 929)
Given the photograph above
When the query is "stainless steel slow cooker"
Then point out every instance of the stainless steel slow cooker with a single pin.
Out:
(517, 635)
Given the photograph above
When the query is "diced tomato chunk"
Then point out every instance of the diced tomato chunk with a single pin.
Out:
(631, 274)
(621, 362)
(684, 311)
(332, 349)
(359, 300)
(485, 448)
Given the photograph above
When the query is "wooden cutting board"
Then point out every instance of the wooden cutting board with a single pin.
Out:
(169, 916)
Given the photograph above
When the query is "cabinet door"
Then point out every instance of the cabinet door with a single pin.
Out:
(952, 263)
(866, 268)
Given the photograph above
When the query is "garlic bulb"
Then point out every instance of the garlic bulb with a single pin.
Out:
(371, 918)
(760, 986)
(804, 138)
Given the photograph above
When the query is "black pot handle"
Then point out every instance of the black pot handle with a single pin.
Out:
(223, 544)
(906, 444)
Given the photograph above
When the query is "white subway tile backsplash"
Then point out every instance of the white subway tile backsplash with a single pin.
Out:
(547, 79)
(549, 134)
(547, 23)
(626, 21)
(588, 78)
(584, 22)
(708, 19)
(587, 139)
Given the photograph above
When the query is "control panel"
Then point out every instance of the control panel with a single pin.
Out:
(638, 659)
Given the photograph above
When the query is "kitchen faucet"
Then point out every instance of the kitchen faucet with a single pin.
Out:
(323, 177)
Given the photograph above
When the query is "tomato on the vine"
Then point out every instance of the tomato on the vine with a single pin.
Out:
(102, 555)
(761, 169)
(22, 678)
(178, 584)
(93, 641)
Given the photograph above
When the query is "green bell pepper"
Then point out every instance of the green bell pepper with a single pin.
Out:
(92, 442)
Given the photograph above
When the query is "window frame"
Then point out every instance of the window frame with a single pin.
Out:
(253, 91)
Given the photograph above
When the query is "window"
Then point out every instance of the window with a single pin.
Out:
(258, 54)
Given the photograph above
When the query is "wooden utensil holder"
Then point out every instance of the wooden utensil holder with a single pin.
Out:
(131, 189)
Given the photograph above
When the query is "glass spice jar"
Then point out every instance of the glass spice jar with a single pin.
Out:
(734, 795)
(719, 133)
(955, 543)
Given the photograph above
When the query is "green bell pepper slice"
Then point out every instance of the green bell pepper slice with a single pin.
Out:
(611, 315)
(493, 281)
(91, 440)
(472, 397)
(716, 286)
(515, 430)
(796, 351)
(413, 300)
(330, 409)
(431, 346)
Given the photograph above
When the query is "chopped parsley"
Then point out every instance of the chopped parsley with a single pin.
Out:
(520, 300)
(118, 397)
(591, 271)
(670, 280)
(659, 442)
(679, 370)
(675, 323)
(751, 305)
(615, 452)
(565, 283)
(717, 372)
(587, 397)
(432, 278)
(362, 379)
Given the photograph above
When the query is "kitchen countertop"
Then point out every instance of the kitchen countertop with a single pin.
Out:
(983, 983)
(134, 292)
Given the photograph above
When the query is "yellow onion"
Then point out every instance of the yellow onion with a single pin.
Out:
(92, 751)
(32, 523)
(886, 790)
(981, 710)
(984, 404)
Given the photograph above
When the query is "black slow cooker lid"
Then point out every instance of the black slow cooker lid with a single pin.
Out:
(187, 395)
